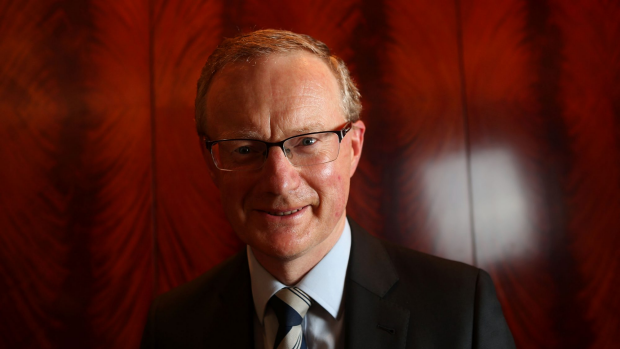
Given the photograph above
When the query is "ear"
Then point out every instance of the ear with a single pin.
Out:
(206, 155)
(357, 142)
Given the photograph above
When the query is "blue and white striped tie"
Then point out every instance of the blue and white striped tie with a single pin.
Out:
(290, 305)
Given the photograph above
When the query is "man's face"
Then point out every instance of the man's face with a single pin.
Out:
(272, 99)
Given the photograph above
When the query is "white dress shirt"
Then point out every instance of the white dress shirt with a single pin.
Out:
(322, 324)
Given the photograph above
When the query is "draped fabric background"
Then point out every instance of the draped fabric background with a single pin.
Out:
(493, 138)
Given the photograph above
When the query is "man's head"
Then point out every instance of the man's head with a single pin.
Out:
(263, 43)
(282, 209)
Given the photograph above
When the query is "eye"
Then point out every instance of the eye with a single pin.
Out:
(243, 150)
(308, 141)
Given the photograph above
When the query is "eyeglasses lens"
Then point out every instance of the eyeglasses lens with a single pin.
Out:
(303, 150)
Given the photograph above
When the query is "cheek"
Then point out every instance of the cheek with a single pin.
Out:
(333, 187)
(233, 192)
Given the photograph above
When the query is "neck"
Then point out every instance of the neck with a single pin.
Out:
(291, 271)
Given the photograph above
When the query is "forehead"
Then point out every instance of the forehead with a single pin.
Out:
(273, 97)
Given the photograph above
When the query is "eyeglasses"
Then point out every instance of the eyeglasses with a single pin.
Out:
(302, 150)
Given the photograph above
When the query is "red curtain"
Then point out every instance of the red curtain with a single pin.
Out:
(493, 138)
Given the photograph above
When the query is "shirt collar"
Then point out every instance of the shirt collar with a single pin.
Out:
(324, 283)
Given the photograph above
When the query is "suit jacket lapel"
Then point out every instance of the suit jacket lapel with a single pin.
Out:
(371, 320)
(233, 314)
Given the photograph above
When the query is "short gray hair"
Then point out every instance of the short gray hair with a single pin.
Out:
(262, 43)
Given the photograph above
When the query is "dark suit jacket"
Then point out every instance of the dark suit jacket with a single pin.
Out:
(394, 298)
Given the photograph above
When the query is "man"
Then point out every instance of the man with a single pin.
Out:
(278, 117)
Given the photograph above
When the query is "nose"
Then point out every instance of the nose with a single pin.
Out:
(280, 176)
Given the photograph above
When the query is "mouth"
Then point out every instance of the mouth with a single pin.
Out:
(283, 213)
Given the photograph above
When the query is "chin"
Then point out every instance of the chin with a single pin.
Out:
(283, 246)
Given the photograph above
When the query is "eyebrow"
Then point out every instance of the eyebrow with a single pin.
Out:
(250, 134)
(316, 127)
(240, 134)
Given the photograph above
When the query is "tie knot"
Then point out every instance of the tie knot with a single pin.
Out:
(290, 305)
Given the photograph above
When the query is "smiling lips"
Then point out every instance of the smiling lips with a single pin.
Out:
(284, 213)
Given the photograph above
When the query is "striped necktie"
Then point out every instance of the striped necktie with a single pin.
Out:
(290, 305)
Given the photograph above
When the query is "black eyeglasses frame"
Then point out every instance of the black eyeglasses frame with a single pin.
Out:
(341, 134)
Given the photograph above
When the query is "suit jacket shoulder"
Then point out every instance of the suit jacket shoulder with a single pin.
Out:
(414, 300)
(207, 312)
